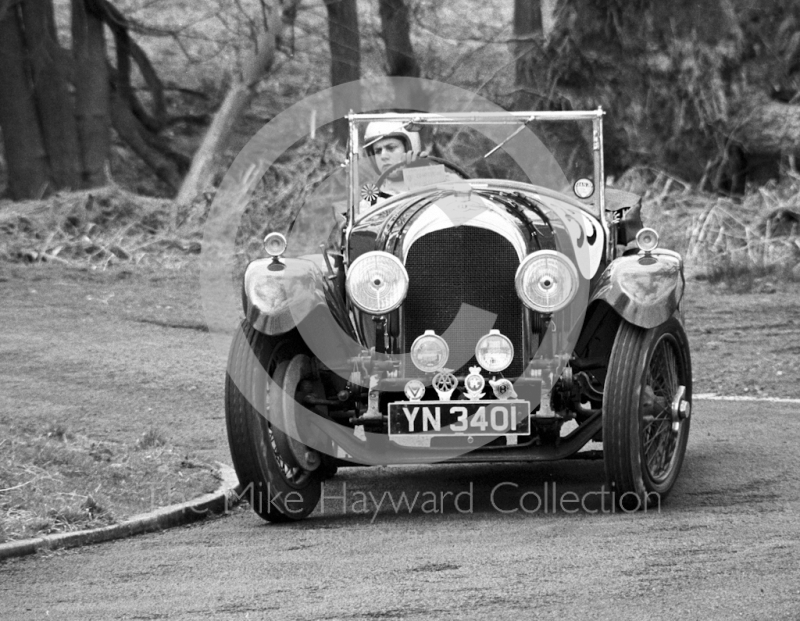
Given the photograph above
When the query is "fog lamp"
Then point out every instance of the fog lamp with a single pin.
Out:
(494, 351)
(429, 352)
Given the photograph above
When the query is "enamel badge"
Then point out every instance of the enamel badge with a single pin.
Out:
(474, 384)
(414, 390)
(503, 389)
(444, 384)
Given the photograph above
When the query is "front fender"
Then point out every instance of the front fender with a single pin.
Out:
(277, 296)
(645, 291)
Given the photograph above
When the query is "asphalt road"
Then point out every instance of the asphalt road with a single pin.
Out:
(725, 545)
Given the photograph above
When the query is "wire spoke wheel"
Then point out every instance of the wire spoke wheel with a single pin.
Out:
(646, 412)
(293, 475)
(278, 488)
(658, 439)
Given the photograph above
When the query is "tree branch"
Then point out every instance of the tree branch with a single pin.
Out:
(236, 102)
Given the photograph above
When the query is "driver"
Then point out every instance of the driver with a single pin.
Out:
(389, 143)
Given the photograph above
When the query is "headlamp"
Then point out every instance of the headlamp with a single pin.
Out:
(546, 281)
(377, 282)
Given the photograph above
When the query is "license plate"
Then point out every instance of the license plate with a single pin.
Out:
(459, 418)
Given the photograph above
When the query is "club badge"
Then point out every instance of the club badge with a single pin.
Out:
(474, 384)
(503, 389)
(414, 390)
(444, 384)
(369, 192)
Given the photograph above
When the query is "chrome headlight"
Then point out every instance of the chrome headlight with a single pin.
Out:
(377, 282)
(546, 281)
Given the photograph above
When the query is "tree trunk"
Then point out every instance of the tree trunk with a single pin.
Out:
(53, 100)
(400, 56)
(527, 29)
(127, 52)
(92, 93)
(28, 170)
(236, 102)
(136, 137)
(156, 121)
(345, 44)
(548, 18)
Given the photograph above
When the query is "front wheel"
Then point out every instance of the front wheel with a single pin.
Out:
(646, 412)
(265, 375)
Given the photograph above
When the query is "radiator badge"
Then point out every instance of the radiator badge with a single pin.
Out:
(503, 389)
(414, 390)
(444, 383)
(474, 384)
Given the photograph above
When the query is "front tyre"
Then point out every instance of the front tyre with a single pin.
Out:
(646, 412)
(277, 488)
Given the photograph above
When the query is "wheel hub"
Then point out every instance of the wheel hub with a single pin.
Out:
(681, 409)
(296, 383)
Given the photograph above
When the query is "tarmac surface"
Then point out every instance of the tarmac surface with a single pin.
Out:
(724, 545)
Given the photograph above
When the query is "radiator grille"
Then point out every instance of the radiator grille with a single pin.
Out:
(466, 264)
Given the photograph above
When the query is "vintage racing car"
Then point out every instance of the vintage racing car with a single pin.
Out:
(462, 316)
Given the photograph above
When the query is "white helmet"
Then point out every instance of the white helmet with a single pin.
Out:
(391, 129)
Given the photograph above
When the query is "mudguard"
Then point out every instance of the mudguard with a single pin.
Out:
(644, 290)
(277, 296)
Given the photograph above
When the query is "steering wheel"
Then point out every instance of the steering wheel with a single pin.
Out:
(421, 162)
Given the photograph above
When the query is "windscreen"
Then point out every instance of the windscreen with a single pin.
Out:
(551, 154)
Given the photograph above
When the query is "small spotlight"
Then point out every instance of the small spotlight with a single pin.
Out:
(647, 240)
(275, 244)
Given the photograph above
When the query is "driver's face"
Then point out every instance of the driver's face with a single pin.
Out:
(388, 152)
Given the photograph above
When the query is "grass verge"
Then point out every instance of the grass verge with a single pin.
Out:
(52, 480)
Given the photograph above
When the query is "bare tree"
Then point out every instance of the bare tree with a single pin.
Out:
(54, 105)
(92, 91)
(256, 65)
(528, 41)
(548, 10)
(345, 44)
(689, 83)
(28, 168)
(55, 140)
(400, 58)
